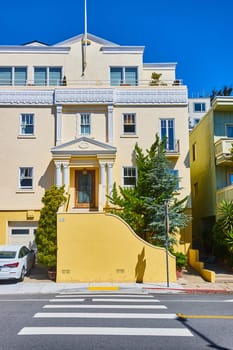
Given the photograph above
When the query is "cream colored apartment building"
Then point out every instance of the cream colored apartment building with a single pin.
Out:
(71, 114)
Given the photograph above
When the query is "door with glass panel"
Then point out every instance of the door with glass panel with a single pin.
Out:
(85, 188)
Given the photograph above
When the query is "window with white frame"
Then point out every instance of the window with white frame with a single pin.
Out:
(47, 76)
(199, 107)
(167, 130)
(25, 178)
(85, 124)
(129, 176)
(13, 75)
(27, 124)
(129, 123)
(124, 75)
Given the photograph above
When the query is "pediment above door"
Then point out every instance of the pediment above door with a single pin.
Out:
(83, 146)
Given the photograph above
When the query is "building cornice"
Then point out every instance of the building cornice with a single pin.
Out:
(113, 96)
(34, 49)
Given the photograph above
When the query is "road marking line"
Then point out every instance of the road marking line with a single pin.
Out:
(176, 332)
(103, 288)
(104, 295)
(228, 301)
(126, 300)
(179, 315)
(60, 306)
(65, 300)
(103, 315)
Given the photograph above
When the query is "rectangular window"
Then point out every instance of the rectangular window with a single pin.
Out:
(47, 76)
(85, 124)
(196, 189)
(5, 75)
(55, 76)
(40, 76)
(229, 130)
(194, 151)
(199, 107)
(167, 131)
(129, 176)
(20, 231)
(123, 75)
(25, 178)
(129, 123)
(175, 173)
(26, 124)
(20, 76)
(13, 75)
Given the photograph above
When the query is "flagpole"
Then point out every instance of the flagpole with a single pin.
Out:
(84, 44)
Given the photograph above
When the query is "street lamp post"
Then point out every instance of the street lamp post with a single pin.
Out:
(166, 221)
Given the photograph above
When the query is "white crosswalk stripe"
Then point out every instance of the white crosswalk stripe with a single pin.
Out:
(105, 331)
(102, 315)
(87, 305)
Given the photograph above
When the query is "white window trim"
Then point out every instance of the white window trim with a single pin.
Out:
(136, 176)
(19, 178)
(80, 119)
(22, 135)
(123, 124)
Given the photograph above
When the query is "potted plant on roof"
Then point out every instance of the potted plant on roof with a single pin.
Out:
(155, 78)
(46, 233)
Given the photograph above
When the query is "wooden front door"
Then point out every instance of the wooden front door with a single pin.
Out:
(85, 188)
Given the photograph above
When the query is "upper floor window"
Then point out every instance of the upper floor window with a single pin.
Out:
(26, 124)
(167, 130)
(85, 124)
(175, 173)
(199, 107)
(25, 178)
(194, 151)
(129, 123)
(13, 75)
(229, 130)
(123, 75)
(47, 76)
(129, 176)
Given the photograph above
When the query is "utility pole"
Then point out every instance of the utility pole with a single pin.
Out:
(166, 222)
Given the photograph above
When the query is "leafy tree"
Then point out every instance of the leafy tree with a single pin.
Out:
(142, 207)
(46, 234)
(223, 230)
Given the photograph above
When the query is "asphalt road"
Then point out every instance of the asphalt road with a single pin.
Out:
(116, 320)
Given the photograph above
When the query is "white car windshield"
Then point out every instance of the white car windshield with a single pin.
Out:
(7, 255)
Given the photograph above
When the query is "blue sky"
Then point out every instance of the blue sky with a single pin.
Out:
(198, 34)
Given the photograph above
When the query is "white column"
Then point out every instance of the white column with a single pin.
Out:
(110, 124)
(58, 125)
(66, 174)
(103, 184)
(58, 175)
(110, 177)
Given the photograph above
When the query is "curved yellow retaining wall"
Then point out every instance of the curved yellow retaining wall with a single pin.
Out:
(100, 247)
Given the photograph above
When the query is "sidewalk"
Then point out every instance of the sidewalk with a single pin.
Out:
(191, 282)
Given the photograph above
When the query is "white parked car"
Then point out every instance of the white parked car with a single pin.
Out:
(15, 261)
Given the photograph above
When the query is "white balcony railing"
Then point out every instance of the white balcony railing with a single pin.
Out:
(91, 83)
(223, 153)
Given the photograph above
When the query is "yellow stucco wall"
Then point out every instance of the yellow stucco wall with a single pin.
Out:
(15, 216)
(101, 247)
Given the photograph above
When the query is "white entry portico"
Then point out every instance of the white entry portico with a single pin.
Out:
(85, 167)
